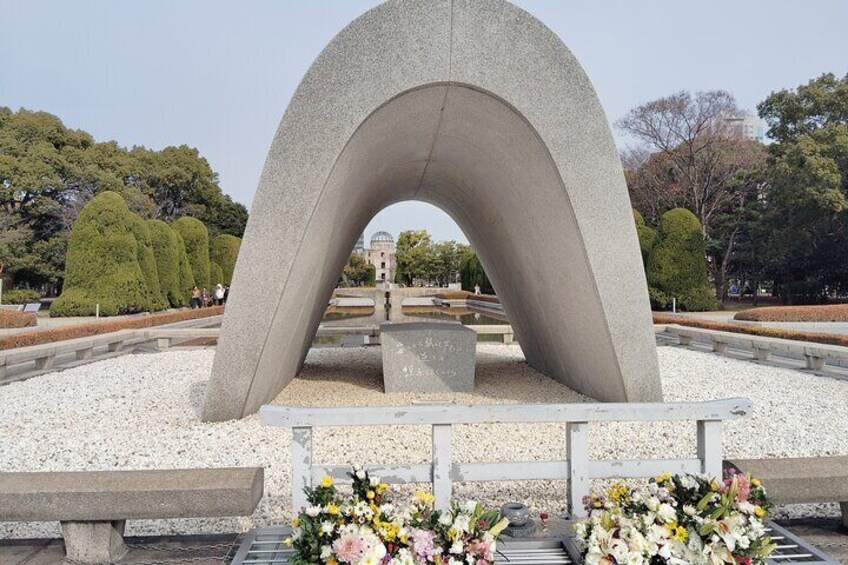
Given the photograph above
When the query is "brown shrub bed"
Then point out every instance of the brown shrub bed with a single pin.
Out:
(829, 339)
(11, 319)
(25, 339)
(824, 313)
(464, 294)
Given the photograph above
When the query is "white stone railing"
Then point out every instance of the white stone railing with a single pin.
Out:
(442, 471)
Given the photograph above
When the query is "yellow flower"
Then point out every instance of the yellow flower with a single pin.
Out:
(680, 533)
(715, 486)
(619, 492)
(327, 482)
(332, 562)
(424, 497)
(288, 542)
(758, 510)
(381, 488)
(664, 478)
(333, 509)
(370, 494)
(755, 482)
(296, 522)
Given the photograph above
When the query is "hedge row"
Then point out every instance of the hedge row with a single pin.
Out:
(10, 319)
(829, 339)
(86, 330)
(826, 313)
(465, 295)
(20, 296)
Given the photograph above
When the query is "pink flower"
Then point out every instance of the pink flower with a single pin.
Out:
(743, 487)
(481, 548)
(422, 544)
(349, 548)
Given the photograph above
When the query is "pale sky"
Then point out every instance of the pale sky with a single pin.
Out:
(218, 75)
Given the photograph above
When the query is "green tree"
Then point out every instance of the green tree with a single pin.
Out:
(647, 237)
(196, 239)
(166, 250)
(358, 272)
(413, 255)
(677, 266)
(187, 281)
(216, 274)
(48, 172)
(147, 263)
(807, 202)
(225, 249)
(472, 274)
(103, 263)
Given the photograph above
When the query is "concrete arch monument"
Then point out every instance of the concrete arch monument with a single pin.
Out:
(478, 108)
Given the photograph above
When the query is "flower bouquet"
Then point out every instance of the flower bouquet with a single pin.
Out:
(370, 528)
(684, 519)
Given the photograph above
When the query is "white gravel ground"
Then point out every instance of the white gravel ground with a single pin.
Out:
(142, 411)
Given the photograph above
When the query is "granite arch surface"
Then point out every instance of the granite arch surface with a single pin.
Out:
(479, 109)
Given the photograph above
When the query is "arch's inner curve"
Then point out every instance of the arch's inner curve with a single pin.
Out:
(475, 157)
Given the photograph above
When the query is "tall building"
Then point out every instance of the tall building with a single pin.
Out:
(747, 127)
(381, 254)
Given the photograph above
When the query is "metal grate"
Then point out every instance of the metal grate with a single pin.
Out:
(265, 546)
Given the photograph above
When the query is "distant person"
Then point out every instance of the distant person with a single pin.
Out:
(476, 289)
(226, 293)
(195, 297)
(204, 297)
(219, 295)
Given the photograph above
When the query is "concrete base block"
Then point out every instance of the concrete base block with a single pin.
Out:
(164, 342)
(2, 371)
(762, 353)
(684, 339)
(83, 354)
(428, 357)
(44, 363)
(94, 542)
(115, 346)
(720, 346)
(814, 362)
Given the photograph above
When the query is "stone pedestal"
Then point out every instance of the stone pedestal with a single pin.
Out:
(94, 542)
(428, 357)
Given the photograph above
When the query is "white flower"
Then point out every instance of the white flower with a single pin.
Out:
(327, 527)
(667, 513)
(462, 523)
(445, 519)
(457, 547)
(471, 506)
(326, 552)
(689, 510)
(313, 511)
(375, 481)
(360, 474)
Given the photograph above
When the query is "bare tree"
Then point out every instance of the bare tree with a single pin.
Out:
(691, 156)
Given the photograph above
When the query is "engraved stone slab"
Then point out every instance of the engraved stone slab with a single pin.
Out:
(428, 357)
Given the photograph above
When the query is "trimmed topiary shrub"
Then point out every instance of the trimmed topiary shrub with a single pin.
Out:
(471, 273)
(20, 296)
(677, 265)
(186, 275)
(196, 239)
(225, 249)
(166, 251)
(102, 264)
(216, 275)
(147, 262)
(647, 237)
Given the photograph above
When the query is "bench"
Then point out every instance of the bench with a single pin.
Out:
(93, 506)
(801, 480)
